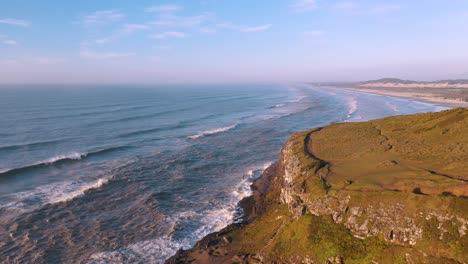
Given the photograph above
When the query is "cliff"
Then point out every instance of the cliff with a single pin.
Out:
(392, 190)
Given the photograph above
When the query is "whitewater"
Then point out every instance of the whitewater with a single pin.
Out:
(144, 171)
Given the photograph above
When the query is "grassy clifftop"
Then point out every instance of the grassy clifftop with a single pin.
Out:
(392, 190)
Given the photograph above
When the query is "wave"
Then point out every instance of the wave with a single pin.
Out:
(145, 116)
(31, 145)
(159, 249)
(298, 99)
(213, 131)
(151, 130)
(352, 106)
(51, 194)
(58, 160)
(392, 106)
(148, 251)
(81, 190)
(276, 106)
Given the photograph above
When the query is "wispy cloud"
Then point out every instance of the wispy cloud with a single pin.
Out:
(163, 8)
(15, 22)
(207, 30)
(244, 28)
(257, 28)
(47, 60)
(6, 41)
(383, 9)
(104, 55)
(314, 33)
(170, 20)
(346, 5)
(169, 34)
(123, 31)
(103, 17)
(304, 5)
(130, 28)
(9, 42)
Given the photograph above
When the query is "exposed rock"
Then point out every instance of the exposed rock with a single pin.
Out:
(342, 193)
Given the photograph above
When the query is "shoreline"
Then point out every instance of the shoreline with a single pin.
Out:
(422, 97)
(293, 195)
(255, 205)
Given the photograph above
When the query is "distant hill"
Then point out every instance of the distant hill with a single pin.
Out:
(396, 80)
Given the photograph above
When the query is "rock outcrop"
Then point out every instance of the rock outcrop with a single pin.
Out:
(392, 190)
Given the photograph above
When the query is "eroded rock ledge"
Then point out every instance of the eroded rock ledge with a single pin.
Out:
(371, 192)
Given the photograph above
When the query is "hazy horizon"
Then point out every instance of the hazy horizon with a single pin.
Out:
(209, 42)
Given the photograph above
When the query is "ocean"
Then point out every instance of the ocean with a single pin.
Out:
(104, 174)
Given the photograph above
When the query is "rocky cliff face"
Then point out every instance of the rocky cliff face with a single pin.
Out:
(386, 191)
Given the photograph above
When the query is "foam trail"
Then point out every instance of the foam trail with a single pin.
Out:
(352, 106)
(52, 193)
(298, 99)
(73, 156)
(158, 250)
(276, 106)
(392, 106)
(80, 191)
(149, 251)
(213, 131)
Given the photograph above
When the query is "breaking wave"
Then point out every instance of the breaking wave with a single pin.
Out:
(57, 160)
(352, 106)
(212, 131)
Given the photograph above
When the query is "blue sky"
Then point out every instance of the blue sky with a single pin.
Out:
(216, 41)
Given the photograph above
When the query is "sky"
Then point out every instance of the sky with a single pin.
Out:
(224, 41)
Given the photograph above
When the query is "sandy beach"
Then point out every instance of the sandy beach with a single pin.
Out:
(421, 96)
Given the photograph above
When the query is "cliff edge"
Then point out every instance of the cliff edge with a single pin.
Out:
(392, 190)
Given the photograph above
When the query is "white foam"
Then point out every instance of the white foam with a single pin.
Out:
(158, 250)
(278, 106)
(298, 99)
(149, 251)
(51, 193)
(213, 131)
(352, 106)
(392, 106)
(72, 156)
(80, 191)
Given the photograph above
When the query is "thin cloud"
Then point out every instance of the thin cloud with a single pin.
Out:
(125, 30)
(346, 5)
(6, 41)
(314, 33)
(9, 42)
(47, 60)
(103, 17)
(104, 55)
(207, 30)
(244, 28)
(257, 28)
(163, 8)
(169, 20)
(304, 5)
(102, 41)
(15, 22)
(169, 34)
(130, 28)
(383, 9)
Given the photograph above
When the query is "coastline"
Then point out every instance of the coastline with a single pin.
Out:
(263, 189)
(253, 206)
(422, 97)
(284, 201)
